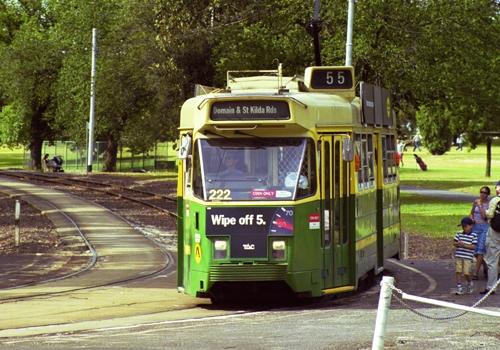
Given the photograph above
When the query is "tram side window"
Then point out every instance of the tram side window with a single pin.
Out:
(364, 152)
(197, 181)
(307, 171)
(388, 156)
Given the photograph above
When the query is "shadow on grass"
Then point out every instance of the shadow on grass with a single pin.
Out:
(447, 184)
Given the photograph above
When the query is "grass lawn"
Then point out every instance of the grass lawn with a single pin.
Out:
(432, 217)
(11, 158)
(75, 161)
(459, 171)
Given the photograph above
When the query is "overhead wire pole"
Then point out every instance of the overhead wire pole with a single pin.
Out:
(90, 150)
(314, 29)
(348, 43)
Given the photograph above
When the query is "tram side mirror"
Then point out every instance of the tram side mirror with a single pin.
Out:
(347, 150)
(185, 147)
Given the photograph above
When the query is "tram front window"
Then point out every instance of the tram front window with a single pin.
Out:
(255, 169)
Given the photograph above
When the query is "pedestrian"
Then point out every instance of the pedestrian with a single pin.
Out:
(493, 241)
(460, 142)
(465, 243)
(401, 149)
(478, 214)
(416, 142)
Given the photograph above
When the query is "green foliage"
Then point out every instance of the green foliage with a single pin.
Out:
(440, 60)
(129, 107)
(30, 64)
(10, 126)
(457, 60)
(434, 123)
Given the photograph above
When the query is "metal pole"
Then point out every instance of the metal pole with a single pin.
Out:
(348, 44)
(405, 249)
(315, 29)
(17, 219)
(383, 309)
(92, 103)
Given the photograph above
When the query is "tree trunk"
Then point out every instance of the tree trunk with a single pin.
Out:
(36, 153)
(37, 129)
(488, 157)
(110, 154)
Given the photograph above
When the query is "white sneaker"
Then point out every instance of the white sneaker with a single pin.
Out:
(470, 288)
(460, 290)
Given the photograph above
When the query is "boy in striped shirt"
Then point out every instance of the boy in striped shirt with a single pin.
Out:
(465, 242)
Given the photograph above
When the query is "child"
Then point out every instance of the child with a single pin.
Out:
(465, 242)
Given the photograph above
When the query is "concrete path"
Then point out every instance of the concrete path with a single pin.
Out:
(449, 195)
(121, 255)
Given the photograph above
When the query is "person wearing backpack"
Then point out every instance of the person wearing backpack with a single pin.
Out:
(493, 240)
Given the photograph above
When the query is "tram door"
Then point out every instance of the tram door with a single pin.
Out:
(335, 212)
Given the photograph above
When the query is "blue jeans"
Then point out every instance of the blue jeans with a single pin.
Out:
(481, 231)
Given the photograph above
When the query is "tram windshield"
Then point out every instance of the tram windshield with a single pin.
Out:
(254, 169)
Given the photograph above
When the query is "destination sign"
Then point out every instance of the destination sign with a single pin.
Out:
(331, 78)
(250, 110)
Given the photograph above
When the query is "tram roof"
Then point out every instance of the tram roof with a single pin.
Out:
(308, 109)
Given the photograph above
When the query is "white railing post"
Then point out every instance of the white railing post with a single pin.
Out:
(405, 249)
(17, 219)
(383, 309)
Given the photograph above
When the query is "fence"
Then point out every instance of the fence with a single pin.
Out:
(161, 157)
(386, 292)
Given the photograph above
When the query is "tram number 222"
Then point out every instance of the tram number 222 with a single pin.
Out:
(219, 194)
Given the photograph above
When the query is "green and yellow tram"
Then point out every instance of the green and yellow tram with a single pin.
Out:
(286, 181)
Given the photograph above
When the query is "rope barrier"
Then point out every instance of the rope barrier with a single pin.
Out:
(386, 292)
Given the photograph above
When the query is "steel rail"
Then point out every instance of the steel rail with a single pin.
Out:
(59, 180)
(167, 268)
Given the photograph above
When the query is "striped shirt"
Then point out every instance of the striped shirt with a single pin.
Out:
(468, 238)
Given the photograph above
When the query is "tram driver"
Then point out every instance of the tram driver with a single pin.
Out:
(233, 165)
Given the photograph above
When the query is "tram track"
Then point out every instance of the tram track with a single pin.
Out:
(166, 270)
(164, 261)
(162, 203)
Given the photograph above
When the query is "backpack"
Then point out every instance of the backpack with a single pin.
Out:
(495, 220)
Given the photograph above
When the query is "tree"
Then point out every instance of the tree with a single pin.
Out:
(30, 63)
(434, 122)
(457, 62)
(127, 89)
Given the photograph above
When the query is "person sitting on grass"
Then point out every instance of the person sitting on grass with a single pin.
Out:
(465, 242)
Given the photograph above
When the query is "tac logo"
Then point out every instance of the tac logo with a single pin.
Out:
(248, 246)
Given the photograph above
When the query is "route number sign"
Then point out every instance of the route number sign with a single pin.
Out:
(331, 78)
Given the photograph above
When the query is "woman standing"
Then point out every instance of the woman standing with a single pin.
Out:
(478, 214)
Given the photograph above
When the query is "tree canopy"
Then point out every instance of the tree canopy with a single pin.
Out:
(439, 60)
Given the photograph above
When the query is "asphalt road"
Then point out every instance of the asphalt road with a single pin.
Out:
(336, 323)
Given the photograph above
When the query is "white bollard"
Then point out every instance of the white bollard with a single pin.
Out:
(384, 303)
(405, 251)
(17, 218)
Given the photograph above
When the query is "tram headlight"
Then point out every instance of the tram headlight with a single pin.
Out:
(220, 249)
(278, 252)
